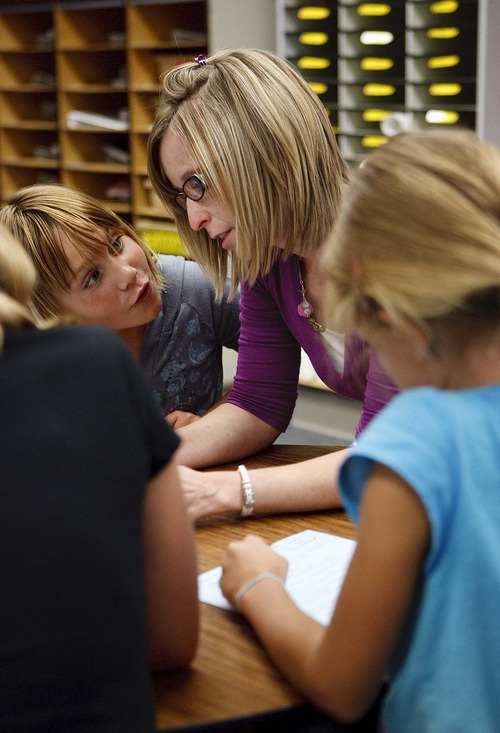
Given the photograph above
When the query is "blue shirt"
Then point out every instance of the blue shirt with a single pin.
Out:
(445, 670)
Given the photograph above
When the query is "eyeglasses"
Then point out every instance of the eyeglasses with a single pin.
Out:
(194, 188)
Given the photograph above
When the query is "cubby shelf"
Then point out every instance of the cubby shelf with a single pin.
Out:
(60, 62)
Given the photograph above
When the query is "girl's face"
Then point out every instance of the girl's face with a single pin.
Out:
(116, 290)
(208, 213)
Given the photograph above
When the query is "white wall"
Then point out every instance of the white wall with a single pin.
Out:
(488, 78)
(241, 24)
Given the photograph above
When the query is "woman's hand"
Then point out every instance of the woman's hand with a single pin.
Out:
(209, 493)
(245, 560)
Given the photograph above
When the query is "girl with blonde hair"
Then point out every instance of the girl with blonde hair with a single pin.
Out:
(97, 555)
(243, 156)
(93, 267)
(414, 268)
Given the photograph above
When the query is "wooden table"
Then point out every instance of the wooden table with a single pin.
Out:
(231, 675)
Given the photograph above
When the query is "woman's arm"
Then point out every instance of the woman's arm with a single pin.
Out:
(264, 390)
(171, 573)
(223, 434)
(299, 487)
(341, 668)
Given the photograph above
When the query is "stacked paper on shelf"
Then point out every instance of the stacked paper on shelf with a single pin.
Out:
(78, 118)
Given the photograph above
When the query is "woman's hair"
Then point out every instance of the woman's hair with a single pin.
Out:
(42, 216)
(17, 279)
(263, 143)
(418, 236)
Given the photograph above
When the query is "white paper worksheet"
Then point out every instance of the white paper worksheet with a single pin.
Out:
(318, 562)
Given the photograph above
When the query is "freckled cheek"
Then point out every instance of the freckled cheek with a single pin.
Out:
(110, 301)
(101, 304)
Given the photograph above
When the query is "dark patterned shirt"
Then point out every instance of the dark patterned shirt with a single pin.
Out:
(181, 353)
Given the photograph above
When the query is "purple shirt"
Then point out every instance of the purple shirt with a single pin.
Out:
(272, 334)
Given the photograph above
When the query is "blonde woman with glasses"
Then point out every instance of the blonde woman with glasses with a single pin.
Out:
(243, 155)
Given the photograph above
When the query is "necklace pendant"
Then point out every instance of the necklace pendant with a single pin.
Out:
(316, 326)
(304, 309)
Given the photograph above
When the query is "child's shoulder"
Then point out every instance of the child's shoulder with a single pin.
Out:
(420, 399)
(412, 417)
(181, 273)
(85, 344)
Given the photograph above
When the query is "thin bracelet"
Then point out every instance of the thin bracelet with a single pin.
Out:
(247, 492)
(253, 581)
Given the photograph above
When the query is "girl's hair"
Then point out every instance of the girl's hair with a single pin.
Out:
(263, 143)
(419, 236)
(42, 216)
(17, 279)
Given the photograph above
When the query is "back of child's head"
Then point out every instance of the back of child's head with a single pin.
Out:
(17, 279)
(43, 217)
(419, 234)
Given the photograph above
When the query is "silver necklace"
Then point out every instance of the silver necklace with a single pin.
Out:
(304, 308)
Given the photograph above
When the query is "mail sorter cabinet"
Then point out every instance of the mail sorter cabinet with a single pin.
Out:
(385, 67)
(79, 88)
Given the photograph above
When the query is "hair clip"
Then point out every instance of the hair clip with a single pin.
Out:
(201, 59)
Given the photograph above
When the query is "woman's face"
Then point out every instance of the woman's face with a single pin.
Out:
(116, 290)
(208, 213)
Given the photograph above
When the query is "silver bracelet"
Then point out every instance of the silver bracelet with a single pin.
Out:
(247, 493)
(253, 581)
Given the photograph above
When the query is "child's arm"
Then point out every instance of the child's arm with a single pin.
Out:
(171, 573)
(178, 418)
(341, 668)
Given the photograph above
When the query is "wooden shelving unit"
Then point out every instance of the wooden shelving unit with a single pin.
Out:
(91, 57)
(28, 99)
(157, 39)
(58, 59)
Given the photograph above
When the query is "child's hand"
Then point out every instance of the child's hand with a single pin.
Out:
(245, 560)
(179, 418)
